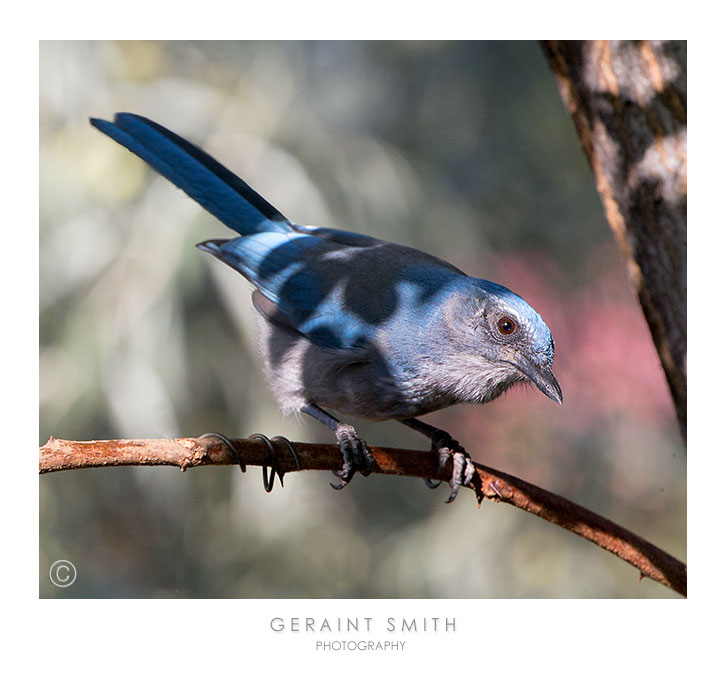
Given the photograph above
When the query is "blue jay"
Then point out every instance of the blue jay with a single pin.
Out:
(351, 323)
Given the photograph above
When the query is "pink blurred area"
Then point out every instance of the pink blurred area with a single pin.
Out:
(612, 382)
(605, 358)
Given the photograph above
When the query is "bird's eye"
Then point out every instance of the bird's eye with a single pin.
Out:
(506, 325)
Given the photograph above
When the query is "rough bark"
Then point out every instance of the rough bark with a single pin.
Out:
(283, 457)
(628, 102)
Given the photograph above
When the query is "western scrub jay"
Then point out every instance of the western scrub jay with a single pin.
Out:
(352, 323)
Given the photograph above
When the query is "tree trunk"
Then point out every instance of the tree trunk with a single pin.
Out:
(628, 101)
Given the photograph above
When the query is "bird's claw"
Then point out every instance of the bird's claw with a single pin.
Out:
(463, 467)
(356, 455)
(462, 473)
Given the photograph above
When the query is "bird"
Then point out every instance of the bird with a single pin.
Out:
(351, 323)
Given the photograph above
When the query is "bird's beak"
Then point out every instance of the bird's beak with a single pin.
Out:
(542, 377)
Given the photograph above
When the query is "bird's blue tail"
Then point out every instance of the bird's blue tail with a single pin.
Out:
(198, 174)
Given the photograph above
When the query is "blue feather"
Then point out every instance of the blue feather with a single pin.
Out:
(199, 175)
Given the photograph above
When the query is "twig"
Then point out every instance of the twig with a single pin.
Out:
(488, 483)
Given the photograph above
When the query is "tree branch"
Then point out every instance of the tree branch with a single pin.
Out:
(628, 102)
(488, 483)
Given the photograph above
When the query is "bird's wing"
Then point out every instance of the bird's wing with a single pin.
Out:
(198, 174)
(304, 284)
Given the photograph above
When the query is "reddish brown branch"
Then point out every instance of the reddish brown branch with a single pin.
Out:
(489, 483)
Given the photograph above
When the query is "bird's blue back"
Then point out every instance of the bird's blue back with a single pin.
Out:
(317, 289)
(315, 277)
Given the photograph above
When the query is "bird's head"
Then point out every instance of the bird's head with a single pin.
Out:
(510, 339)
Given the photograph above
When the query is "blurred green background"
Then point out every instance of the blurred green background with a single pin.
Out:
(461, 149)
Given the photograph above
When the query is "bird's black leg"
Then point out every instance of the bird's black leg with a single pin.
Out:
(446, 446)
(355, 452)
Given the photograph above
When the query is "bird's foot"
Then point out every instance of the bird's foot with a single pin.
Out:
(356, 455)
(463, 467)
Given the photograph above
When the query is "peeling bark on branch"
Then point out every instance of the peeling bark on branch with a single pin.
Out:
(488, 483)
(628, 102)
